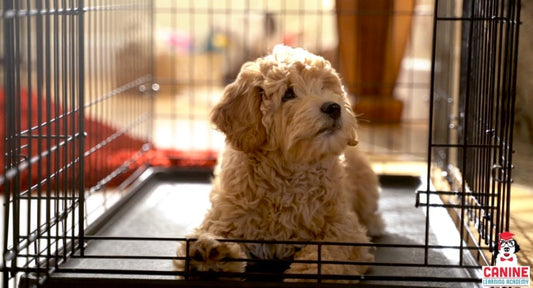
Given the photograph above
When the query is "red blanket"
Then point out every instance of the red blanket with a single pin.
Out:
(98, 164)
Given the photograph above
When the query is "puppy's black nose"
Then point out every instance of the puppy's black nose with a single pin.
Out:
(332, 109)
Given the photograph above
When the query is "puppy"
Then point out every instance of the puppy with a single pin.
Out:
(286, 173)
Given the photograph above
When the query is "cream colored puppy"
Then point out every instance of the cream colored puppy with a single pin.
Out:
(286, 172)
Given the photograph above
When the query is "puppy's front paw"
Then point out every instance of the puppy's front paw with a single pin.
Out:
(301, 269)
(208, 256)
(307, 253)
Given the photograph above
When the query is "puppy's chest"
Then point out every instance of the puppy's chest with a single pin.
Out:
(291, 212)
(299, 209)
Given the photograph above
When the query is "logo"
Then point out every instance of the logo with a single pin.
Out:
(507, 249)
(507, 272)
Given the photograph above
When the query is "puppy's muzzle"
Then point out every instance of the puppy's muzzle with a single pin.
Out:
(332, 109)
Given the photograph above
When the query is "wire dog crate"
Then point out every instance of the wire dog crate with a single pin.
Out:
(108, 151)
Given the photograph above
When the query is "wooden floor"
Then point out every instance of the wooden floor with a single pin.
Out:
(522, 202)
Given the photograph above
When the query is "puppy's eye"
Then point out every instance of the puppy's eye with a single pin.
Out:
(289, 94)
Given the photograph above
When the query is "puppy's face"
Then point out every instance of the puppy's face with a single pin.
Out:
(291, 101)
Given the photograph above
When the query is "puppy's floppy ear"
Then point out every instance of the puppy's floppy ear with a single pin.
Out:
(238, 113)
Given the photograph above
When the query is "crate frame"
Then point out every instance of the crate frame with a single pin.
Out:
(34, 254)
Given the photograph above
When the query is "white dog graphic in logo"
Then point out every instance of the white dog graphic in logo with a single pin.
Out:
(507, 249)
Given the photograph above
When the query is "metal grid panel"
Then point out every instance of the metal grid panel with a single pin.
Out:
(41, 138)
(472, 117)
(67, 114)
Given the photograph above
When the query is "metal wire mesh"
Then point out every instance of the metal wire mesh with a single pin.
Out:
(68, 109)
(78, 79)
(472, 111)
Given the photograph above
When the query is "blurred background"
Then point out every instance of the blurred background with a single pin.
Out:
(200, 46)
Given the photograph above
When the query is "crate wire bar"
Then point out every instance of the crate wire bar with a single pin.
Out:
(82, 207)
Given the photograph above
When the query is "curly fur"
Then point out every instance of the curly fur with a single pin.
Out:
(286, 172)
